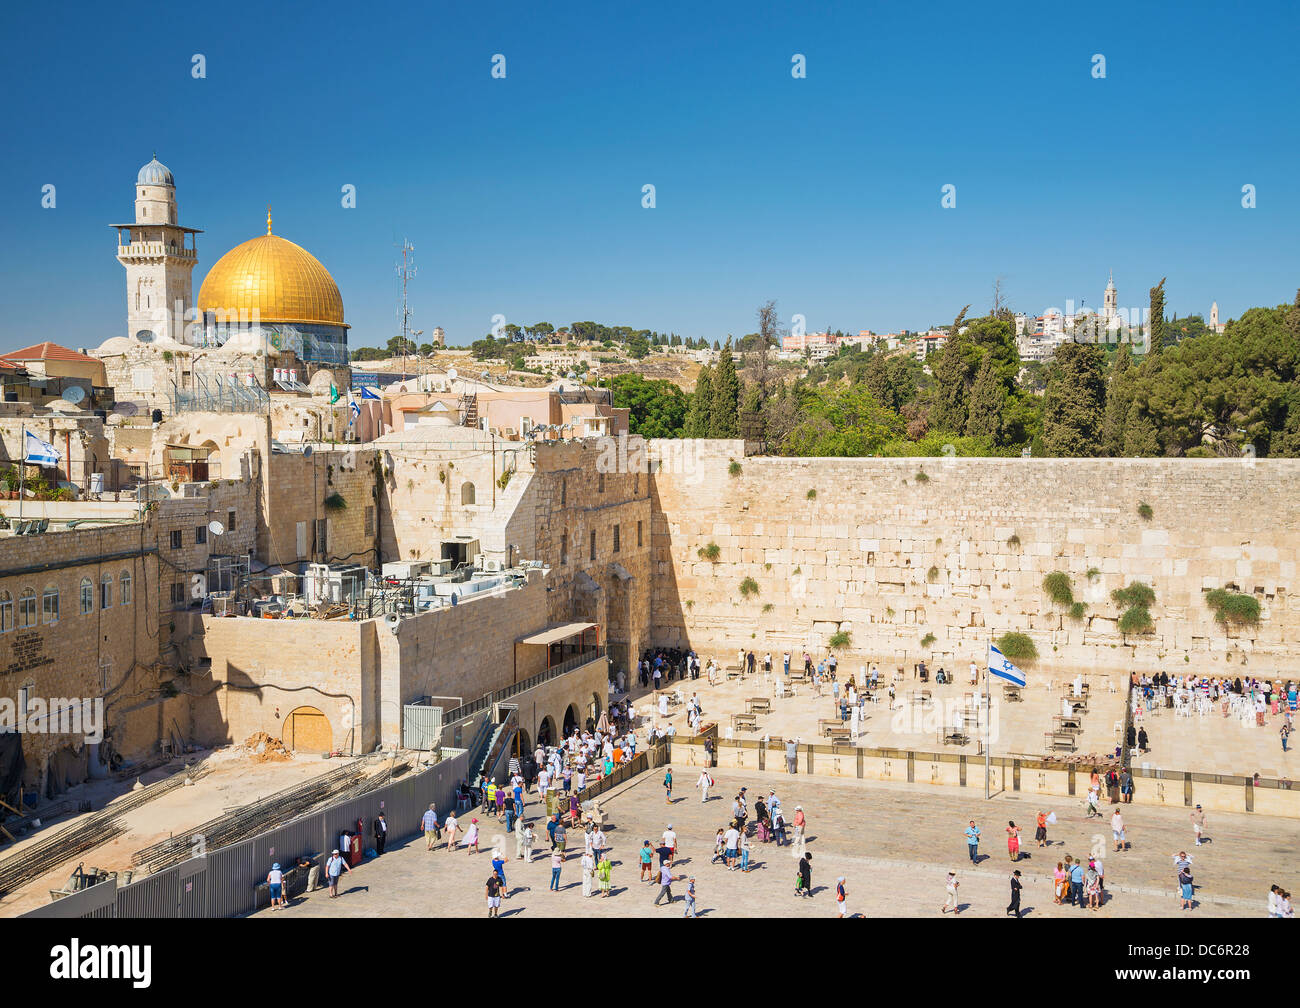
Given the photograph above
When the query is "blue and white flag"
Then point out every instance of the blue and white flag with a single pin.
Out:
(367, 393)
(1000, 665)
(37, 452)
(354, 409)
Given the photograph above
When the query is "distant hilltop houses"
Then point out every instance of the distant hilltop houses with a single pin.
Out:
(1037, 337)
(821, 345)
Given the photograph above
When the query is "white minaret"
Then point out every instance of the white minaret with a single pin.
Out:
(1111, 301)
(1214, 316)
(159, 257)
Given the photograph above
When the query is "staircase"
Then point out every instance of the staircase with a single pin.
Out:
(495, 749)
(469, 409)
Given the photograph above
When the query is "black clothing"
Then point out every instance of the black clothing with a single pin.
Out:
(1014, 907)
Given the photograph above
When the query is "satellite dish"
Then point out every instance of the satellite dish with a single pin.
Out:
(74, 394)
(216, 528)
(127, 409)
(453, 374)
(306, 451)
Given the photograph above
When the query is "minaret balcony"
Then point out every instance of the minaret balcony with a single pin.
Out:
(150, 250)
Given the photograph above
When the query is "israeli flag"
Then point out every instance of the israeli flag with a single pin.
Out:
(354, 409)
(1000, 666)
(37, 452)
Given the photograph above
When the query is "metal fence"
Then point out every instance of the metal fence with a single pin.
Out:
(229, 881)
(496, 696)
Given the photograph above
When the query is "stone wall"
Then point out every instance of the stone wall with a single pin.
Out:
(108, 651)
(358, 673)
(889, 556)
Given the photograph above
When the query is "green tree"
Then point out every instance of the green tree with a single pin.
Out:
(1140, 437)
(987, 399)
(658, 407)
(1156, 318)
(724, 414)
(1074, 403)
(697, 416)
(1119, 397)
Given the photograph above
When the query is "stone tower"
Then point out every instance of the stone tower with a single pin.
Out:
(1214, 316)
(159, 257)
(1110, 304)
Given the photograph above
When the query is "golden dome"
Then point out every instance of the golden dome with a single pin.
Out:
(274, 280)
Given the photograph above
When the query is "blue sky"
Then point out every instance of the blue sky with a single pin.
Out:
(523, 195)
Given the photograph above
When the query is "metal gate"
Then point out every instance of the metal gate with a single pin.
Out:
(192, 899)
(421, 726)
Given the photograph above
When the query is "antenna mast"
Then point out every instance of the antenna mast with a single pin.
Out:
(407, 272)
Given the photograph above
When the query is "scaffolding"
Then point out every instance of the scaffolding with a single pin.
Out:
(218, 393)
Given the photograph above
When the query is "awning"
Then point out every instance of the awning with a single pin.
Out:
(560, 632)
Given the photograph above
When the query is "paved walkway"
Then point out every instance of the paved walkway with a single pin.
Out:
(893, 843)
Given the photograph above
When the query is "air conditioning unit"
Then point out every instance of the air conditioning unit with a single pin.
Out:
(492, 566)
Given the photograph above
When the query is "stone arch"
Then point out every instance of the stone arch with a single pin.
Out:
(595, 707)
(546, 734)
(308, 729)
(571, 720)
(467, 493)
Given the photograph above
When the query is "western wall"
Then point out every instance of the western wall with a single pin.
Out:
(893, 550)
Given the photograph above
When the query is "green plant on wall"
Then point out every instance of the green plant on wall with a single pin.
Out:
(768, 607)
(1233, 608)
(1017, 646)
(840, 639)
(748, 587)
(1013, 540)
(932, 574)
(335, 502)
(503, 480)
(927, 640)
(1077, 610)
(1136, 600)
(812, 494)
(1059, 588)
(1093, 573)
(1144, 511)
(921, 477)
(735, 469)
(711, 552)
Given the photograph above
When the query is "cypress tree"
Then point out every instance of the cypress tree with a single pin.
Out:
(1140, 437)
(1156, 317)
(1119, 396)
(724, 416)
(987, 398)
(1074, 402)
(697, 415)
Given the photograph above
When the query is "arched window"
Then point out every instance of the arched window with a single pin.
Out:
(125, 579)
(467, 493)
(106, 591)
(87, 596)
(6, 612)
(27, 609)
(50, 605)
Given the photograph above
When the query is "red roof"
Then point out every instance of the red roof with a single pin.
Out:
(46, 351)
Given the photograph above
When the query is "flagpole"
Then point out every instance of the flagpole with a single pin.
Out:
(22, 471)
(988, 717)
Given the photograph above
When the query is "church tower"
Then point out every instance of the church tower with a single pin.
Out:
(1110, 305)
(159, 256)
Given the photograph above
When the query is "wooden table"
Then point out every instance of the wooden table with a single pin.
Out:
(759, 705)
(827, 725)
(1061, 724)
(1012, 692)
(954, 737)
(1060, 740)
(840, 736)
(747, 721)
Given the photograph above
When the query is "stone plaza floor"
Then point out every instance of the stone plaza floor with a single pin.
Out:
(1205, 744)
(913, 723)
(894, 843)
